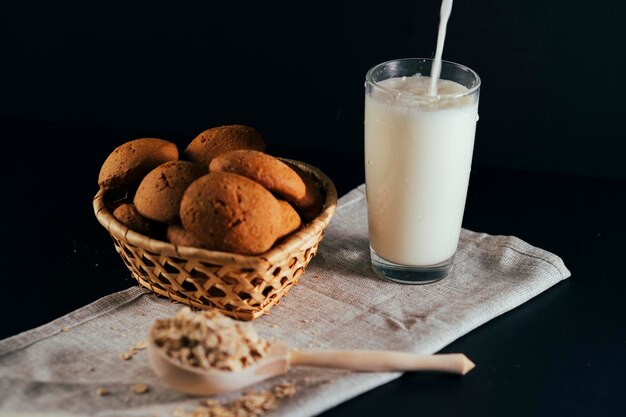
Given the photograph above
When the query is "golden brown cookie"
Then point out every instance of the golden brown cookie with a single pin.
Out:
(129, 162)
(268, 171)
(218, 140)
(290, 220)
(159, 194)
(177, 235)
(312, 203)
(128, 215)
(231, 213)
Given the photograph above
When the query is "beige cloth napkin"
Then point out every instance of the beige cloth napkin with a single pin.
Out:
(339, 304)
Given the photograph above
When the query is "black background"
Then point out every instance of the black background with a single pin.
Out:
(80, 77)
(552, 71)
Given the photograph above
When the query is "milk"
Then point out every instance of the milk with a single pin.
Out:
(418, 153)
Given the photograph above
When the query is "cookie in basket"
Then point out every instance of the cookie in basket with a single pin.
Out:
(131, 161)
(312, 203)
(159, 193)
(231, 213)
(290, 220)
(128, 215)
(218, 140)
(177, 235)
(265, 169)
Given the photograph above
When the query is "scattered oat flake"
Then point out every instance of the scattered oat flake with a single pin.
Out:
(133, 350)
(251, 404)
(284, 390)
(215, 411)
(141, 345)
(140, 388)
(65, 329)
(101, 391)
(180, 412)
(210, 402)
(273, 325)
(256, 402)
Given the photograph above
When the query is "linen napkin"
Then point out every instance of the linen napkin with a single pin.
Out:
(62, 367)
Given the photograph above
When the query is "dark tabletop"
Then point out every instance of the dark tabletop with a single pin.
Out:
(561, 353)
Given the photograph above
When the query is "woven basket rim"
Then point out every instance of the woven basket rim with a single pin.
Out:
(278, 252)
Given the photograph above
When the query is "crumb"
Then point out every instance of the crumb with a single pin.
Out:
(140, 388)
(101, 391)
(125, 356)
(65, 329)
(273, 325)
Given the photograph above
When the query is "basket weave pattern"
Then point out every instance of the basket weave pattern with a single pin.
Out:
(243, 287)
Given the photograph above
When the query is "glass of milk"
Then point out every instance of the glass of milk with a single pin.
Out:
(419, 141)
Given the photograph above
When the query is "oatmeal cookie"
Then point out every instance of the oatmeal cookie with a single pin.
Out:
(218, 140)
(231, 213)
(265, 169)
(131, 161)
(159, 193)
(128, 215)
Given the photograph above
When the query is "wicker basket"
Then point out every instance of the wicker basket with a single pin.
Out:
(243, 287)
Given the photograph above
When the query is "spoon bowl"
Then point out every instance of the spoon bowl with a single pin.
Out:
(279, 359)
(198, 381)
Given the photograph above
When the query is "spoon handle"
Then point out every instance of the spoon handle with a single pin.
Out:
(382, 361)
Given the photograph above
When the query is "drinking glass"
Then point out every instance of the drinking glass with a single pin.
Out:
(418, 155)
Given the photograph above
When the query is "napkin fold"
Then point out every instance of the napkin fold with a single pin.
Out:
(340, 303)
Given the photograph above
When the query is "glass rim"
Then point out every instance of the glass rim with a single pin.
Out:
(468, 92)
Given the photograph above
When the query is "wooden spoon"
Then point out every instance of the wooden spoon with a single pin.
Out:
(279, 359)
